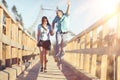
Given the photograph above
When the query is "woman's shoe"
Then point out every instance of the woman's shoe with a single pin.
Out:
(45, 68)
(41, 69)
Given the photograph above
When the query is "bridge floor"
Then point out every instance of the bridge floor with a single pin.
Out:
(52, 72)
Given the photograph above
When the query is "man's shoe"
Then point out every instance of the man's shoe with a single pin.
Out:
(58, 55)
(59, 66)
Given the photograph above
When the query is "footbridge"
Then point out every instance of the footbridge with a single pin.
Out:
(91, 55)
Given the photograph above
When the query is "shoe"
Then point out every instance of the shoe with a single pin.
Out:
(59, 66)
(56, 59)
(41, 69)
(45, 68)
(58, 55)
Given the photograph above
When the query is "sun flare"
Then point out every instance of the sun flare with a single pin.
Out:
(109, 6)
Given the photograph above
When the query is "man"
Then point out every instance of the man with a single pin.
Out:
(62, 20)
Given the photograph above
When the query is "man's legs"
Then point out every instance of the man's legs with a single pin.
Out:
(58, 48)
(64, 40)
(64, 43)
(58, 43)
(61, 40)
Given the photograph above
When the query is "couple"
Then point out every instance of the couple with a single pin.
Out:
(44, 32)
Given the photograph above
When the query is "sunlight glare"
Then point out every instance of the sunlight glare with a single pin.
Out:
(99, 29)
(112, 23)
(109, 6)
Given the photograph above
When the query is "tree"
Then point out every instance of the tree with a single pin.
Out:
(5, 3)
(14, 10)
(18, 17)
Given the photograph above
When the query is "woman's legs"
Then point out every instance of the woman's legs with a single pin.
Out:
(44, 50)
(45, 58)
(41, 57)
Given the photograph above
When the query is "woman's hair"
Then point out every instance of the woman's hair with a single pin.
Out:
(44, 17)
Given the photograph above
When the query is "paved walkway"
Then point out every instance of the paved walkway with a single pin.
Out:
(52, 73)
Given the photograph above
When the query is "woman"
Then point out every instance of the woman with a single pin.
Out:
(43, 38)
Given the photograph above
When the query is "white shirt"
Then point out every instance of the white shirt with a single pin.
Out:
(44, 33)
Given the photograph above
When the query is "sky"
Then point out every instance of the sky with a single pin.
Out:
(83, 13)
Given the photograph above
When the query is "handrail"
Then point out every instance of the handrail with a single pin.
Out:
(16, 45)
(96, 49)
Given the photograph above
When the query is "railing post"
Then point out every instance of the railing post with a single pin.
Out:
(1, 21)
(82, 42)
(78, 54)
(20, 51)
(100, 37)
(93, 65)
(8, 47)
(82, 46)
(24, 51)
(105, 33)
(118, 47)
(74, 55)
(87, 56)
(87, 63)
(14, 50)
(81, 60)
(23, 37)
(94, 37)
(118, 27)
(85, 41)
(104, 67)
(88, 40)
(17, 40)
(118, 68)
(94, 56)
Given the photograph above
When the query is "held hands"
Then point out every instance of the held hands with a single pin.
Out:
(52, 33)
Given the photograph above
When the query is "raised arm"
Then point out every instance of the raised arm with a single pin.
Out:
(68, 8)
(53, 23)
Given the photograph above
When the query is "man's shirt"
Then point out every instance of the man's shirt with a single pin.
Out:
(62, 24)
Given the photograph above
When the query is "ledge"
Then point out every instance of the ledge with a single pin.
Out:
(18, 69)
(11, 73)
(3, 75)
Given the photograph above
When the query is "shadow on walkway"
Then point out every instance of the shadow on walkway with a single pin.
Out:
(52, 72)
(30, 74)
(71, 73)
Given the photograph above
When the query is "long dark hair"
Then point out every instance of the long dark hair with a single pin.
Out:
(44, 17)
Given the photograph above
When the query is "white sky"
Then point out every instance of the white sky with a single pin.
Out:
(83, 12)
